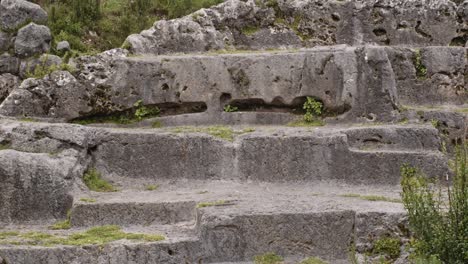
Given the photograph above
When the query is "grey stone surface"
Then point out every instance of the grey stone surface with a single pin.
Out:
(278, 24)
(438, 79)
(9, 64)
(279, 80)
(32, 39)
(280, 155)
(45, 61)
(5, 41)
(34, 186)
(63, 46)
(15, 13)
(8, 83)
(54, 96)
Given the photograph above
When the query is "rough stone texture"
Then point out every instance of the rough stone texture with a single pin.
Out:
(34, 186)
(5, 41)
(15, 13)
(9, 64)
(340, 77)
(32, 40)
(63, 46)
(267, 24)
(28, 66)
(279, 156)
(121, 214)
(326, 234)
(54, 96)
(8, 83)
(439, 78)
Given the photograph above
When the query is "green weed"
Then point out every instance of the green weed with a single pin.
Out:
(93, 179)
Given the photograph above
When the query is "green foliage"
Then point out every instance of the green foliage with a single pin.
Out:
(98, 25)
(373, 198)
(230, 109)
(222, 132)
(93, 179)
(421, 70)
(100, 235)
(88, 200)
(151, 187)
(313, 260)
(66, 224)
(387, 246)
(313, 109)
(440, 225)
(142, 111)
(208, 204)
(268, 258)
(41, 70)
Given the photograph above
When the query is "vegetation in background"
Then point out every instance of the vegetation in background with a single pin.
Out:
(438, 219)
(93, 179)
(388, 247)
(96, 25)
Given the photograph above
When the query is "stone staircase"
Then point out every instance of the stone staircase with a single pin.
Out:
(225, 187)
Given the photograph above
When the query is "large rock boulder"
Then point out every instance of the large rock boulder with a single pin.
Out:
(15, 13)
(264, 24)
(57, 95)
(9, 64)
(32, 39)
(8, 83)
(5, 41)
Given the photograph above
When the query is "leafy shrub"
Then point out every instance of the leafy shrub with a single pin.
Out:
(313, 109)
(439, 220)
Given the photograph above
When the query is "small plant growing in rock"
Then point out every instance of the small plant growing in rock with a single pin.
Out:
(230, 108)
(142, 111)
(151, 187)
(268, 258)
(440, 225)
(388, 247)
(93, 179)
(421, 70)
(209, 204)
(313, 109)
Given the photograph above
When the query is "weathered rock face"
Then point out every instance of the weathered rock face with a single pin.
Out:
(15, 13)
(32, 40)
(8, 83)
(430, 76)
(5, 41)
(276, 24)
(9, 64)
(39, 165)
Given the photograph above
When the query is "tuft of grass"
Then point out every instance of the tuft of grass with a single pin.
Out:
(250, 30)
(268, 258)
(156, 124)
(4, 146)
(373, 198)
(313, 260)
(387, 246)
(302, 123)
(28, 119)
(62, 225)
(151, 187)
(208, 204)
(93, 179)
(88, 200)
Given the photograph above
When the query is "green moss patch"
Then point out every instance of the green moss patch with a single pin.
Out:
(313, 260)
(268, 258)
(95, 236)
(93, 179)
(222, 132)
(373, 198)
(209, 204)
